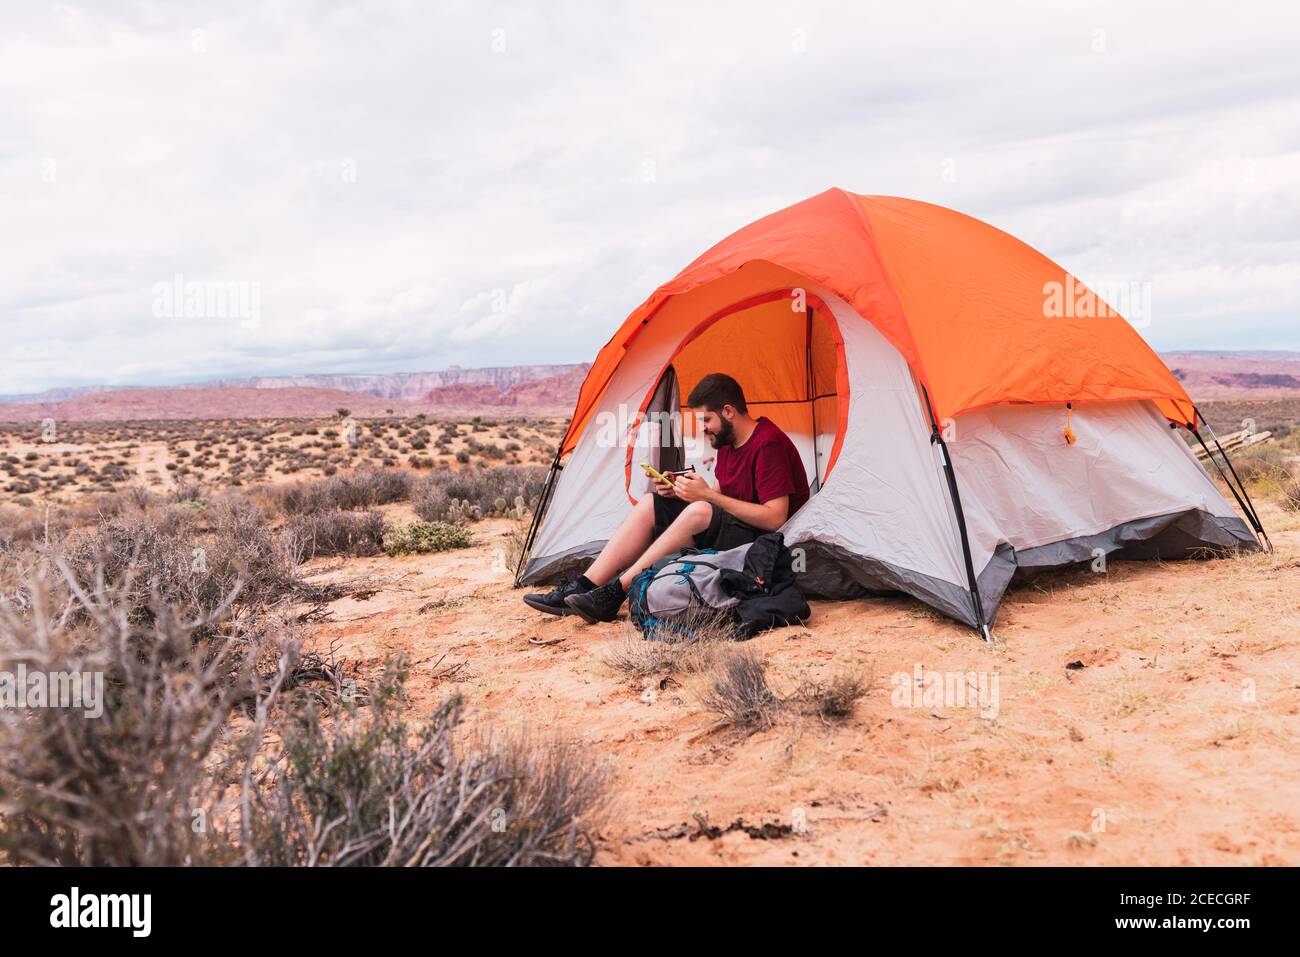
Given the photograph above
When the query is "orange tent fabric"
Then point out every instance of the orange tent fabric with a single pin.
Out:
(962, 301)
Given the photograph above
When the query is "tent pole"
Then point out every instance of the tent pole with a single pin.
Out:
(1246, 506)
(810, 392)
(981, 624)
(937, 439)
(535, 524)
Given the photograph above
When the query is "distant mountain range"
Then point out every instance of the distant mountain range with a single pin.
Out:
(542, 390)
(411, 386)
(1236, 375)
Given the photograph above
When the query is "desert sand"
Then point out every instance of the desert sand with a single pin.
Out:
(1148, 715)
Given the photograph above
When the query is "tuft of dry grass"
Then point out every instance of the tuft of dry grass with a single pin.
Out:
(741, 695)
(699, 623)
(513, 547)
(1289, 492)
(639, 656)
(1079, 839)
(739, 692)
(1258, 463)
(834, 699)
(1129, 695)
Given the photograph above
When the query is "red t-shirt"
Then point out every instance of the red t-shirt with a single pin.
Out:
(767, 466)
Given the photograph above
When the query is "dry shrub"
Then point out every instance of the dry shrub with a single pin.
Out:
(198, 756)
(362, 490)
(1262, 463)
(640, 656)
(133, 498)
(370, 790)
(23, 527)
(142, 783)
(834, 699)
(319, 676)
(192, 558)
(1290, 492)
(184, 492)
(50, 525)
(323, 534)
(430, 499)
(513, 549)
(383, 486)
(739, 692)
(432, 495)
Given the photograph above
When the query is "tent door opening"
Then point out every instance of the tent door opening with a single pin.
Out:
(788, 361)
(663, 422)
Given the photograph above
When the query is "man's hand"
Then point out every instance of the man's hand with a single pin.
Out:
(662, 490)
(692, 487)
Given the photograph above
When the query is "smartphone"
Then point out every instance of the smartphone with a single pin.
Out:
(665, 476)
(658, 476)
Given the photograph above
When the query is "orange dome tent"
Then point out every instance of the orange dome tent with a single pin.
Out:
(874, 328)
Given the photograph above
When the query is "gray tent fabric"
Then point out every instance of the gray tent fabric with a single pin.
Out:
(834, 573)
(831, 571)
(1190, 534)
(566, 564)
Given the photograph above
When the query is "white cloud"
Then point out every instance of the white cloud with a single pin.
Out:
(412, 185)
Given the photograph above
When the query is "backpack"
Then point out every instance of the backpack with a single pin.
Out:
(746, 590)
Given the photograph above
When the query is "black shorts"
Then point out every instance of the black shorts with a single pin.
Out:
(725, 530)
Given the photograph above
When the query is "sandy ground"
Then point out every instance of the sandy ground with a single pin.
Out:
(1171, 740)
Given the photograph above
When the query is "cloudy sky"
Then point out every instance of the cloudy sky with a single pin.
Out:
(402, 186)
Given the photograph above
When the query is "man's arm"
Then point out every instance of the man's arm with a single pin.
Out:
(768, 516)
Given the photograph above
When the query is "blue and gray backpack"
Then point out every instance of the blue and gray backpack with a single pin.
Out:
(743, 590)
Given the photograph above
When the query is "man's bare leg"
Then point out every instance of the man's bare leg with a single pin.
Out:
(629, 541)
(680, 534)
(603, 602)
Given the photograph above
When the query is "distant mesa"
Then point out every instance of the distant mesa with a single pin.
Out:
(1236, 375)
(541, 390)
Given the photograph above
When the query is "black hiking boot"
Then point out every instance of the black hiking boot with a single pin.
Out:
(553, 601)
(598, 604)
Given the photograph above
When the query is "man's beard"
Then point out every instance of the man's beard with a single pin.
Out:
(724, 436)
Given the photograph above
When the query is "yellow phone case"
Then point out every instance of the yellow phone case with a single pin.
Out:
(654, 474)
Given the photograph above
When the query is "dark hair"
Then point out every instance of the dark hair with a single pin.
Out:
(716, 390)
